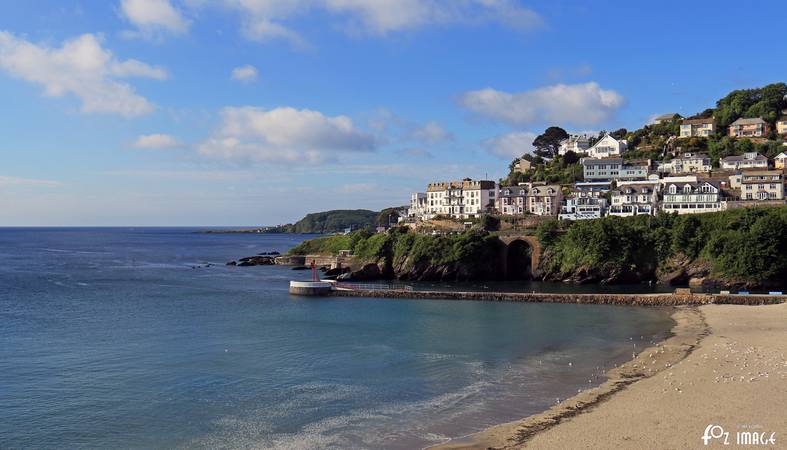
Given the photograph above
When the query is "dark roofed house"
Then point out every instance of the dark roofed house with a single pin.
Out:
(693, 197)
(665, 118)
(749, 160)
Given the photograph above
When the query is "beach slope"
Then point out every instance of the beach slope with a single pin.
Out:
(726, 366)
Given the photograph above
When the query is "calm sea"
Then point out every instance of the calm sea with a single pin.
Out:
(124, 338)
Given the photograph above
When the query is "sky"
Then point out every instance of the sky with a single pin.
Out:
(256, 112)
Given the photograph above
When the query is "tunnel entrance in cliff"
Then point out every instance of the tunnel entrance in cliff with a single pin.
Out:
(518, 261)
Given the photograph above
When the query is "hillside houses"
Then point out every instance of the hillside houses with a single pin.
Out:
(673, 165)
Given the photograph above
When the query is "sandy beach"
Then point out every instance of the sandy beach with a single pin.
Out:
(725, 365)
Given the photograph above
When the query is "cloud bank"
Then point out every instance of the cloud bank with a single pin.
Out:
(575, 104)
(284, 135)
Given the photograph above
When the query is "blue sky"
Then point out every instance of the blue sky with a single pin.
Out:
(246, 112)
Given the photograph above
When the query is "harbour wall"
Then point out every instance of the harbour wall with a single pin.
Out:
(666, 299)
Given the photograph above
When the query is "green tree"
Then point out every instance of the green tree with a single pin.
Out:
(547, 144)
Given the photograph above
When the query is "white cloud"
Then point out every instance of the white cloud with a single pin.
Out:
(157, 142)
(385, 16)
(152, 17)
(284, 135)
(17, 181)
(244, 74)
(511, 145)
(431, 132)
(80, 67)
(578, 104)
(263, 19)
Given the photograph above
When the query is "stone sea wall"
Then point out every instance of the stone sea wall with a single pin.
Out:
(666, 299)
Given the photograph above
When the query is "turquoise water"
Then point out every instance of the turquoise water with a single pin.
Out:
(123, 338)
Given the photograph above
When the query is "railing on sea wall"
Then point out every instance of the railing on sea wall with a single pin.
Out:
(375, 286)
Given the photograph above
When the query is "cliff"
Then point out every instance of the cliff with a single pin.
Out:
(742, 248)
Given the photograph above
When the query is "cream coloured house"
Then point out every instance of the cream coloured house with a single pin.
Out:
(686, 163)
(697, 127)
(781, 125)
(759, 184)
(460, 199)
(779, 160)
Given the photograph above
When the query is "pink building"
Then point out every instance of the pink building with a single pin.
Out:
(754, 127)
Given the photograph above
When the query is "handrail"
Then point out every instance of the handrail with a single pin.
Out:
(374, 286)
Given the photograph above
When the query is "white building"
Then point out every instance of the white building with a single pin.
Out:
(693, 198)
(606, 147)
(418, 206)
(634, 199)
(749, 160)
(460, 199)
(577, 143)
(614, 169)
(585, 202)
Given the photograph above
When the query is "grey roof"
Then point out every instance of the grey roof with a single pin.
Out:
(667, 116)
(742, 158)
(695, 185)
(751, 121)
(700, 121)
(603, 161)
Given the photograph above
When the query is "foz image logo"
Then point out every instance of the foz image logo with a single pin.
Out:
(741, 437)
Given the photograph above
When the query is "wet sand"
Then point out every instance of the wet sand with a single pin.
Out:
(725, 365)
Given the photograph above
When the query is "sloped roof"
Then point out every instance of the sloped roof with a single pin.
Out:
(700, 121)
(743, 158)
(751, 121)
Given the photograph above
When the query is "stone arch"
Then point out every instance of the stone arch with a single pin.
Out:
(514, 245)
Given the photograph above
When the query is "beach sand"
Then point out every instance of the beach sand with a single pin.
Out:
(725, 365)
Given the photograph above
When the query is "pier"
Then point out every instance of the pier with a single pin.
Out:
(678, 298)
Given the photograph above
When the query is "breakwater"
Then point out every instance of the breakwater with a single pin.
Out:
(665, 299)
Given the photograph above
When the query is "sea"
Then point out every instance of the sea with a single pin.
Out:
(143, 338)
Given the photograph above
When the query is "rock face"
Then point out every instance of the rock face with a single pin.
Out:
(368, 272)
(253, 261)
